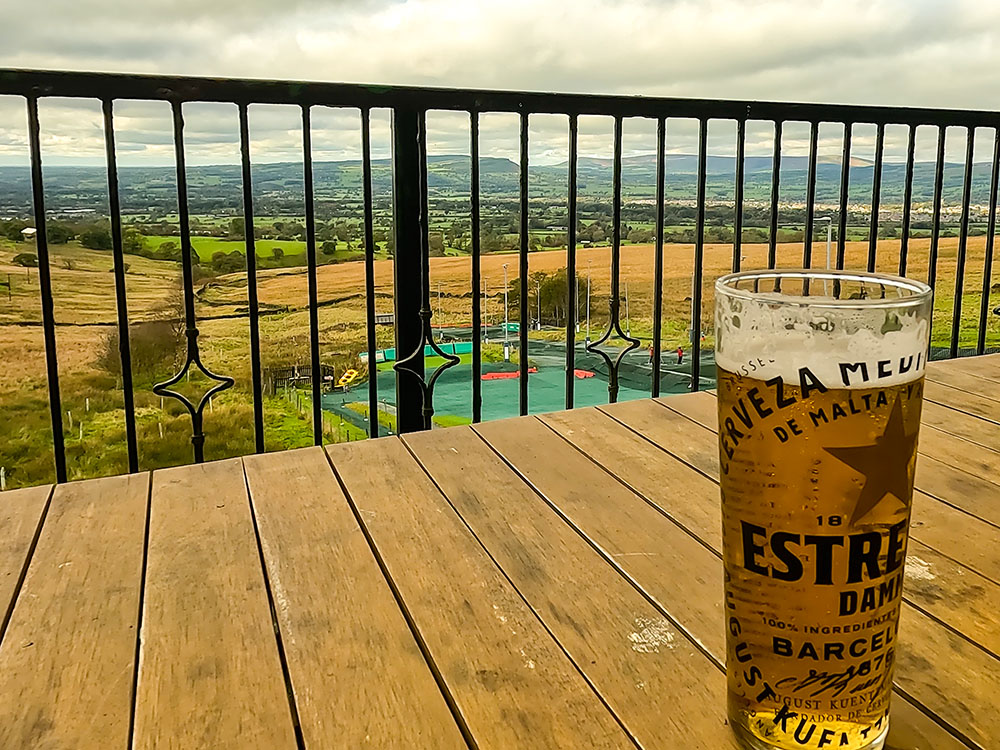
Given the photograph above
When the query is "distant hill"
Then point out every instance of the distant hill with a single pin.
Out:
(278, 186)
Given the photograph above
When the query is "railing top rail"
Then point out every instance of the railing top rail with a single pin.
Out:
(41, 83)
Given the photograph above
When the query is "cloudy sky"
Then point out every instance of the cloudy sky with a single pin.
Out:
(897, 52)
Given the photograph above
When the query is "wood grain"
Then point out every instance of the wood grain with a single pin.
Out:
(512, 684)
(970, 403)
(987, 366)
(209, 672)
(621, 524)
(637, 659)
(67, 662)
(357, 674)
(961, 424)
(965, 381)
(20, 515)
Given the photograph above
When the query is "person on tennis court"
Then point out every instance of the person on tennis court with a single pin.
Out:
(680, 355)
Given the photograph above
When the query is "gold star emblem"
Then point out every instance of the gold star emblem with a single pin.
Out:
(884, 464)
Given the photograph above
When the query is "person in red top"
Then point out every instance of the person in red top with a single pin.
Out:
(680, 355)
(650, 354)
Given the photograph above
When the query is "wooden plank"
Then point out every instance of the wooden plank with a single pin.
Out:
(21, 513)
(935, 523)
(939, 683)
(987, 366)
(209, 674)
(511, 683)
(954, 594)
(317, 560)
(973, 494)
(637, 659)
(961, 424)
(958, 452)
(67, 662)
(970, 403)
(965, 381)
(626, 528)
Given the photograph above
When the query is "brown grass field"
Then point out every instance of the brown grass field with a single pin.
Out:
(85, 313)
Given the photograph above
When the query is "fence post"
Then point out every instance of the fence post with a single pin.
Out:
(407, 268)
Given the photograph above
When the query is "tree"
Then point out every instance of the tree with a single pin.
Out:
(59, 234)
(435, 243)
(96, 238)
(133, 242)
(236, 230)
(26, 260)
(329, 247)
(277, 253)
(228, 262)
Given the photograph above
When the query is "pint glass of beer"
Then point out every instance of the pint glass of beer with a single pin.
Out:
(820, 379)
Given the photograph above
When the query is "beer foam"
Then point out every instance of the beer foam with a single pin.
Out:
(844, 344)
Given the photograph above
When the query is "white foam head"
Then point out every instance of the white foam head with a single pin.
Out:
(879, 337)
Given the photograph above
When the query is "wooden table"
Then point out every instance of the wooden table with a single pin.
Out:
(540, 582)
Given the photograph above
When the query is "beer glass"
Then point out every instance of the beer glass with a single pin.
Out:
(820, 380)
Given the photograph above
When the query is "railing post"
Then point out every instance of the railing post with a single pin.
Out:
(407, 266)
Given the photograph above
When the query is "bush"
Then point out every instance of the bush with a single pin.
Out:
(328, 248)
(156, 346)
(96, 238)
(228, 262)
(26, 260)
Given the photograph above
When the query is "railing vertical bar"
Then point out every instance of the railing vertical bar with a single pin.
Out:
(963, 241)
(45, 290)
(317, 376)
(991, 225)
(845, 187)
(661, 151)
(572, 308)
(616, 251)
(252, 299)
(121, 298)
(426, 314)
(699, 254)
(366, 176)
(477, 313)
(772, 240)
(741, 146)
(523, 271)
(936, 210)
(807, 245)
(407, 267)
(876, 197)
(187, 272)
(904, 242)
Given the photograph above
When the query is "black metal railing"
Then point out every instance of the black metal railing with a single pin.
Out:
(414, 386)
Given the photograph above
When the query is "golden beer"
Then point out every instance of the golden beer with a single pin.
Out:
(818, 428)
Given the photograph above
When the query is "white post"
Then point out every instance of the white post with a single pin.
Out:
(538, 294)
(3, 479)
(161, 429)
(576, 306)
(80, 425)
(628, 322)
(69, 416)
(87, 402)
(506, 342)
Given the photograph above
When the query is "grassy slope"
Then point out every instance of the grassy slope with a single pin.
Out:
(84, 293)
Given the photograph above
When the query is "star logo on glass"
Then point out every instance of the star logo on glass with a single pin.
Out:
(883, 464)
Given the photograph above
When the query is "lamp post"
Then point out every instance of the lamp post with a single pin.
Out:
(538, 296)
(829, 237)
(506, 342)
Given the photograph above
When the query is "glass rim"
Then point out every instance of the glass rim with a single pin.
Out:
(920, 293)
